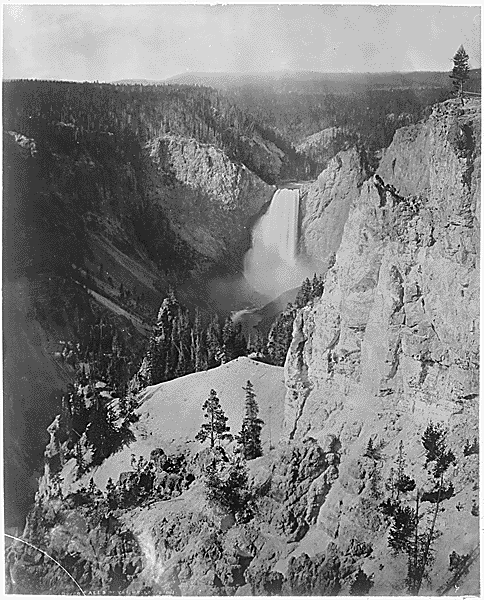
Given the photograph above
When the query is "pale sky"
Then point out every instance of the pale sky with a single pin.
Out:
(113, 42)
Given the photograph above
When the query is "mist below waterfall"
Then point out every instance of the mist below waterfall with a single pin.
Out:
(273, 265)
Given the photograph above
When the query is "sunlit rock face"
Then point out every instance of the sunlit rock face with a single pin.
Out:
(393, 342)
(326, 202)
(399, 314)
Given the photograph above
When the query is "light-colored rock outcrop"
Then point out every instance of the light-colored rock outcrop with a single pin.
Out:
(265, 156)
(325, 204)
(399, 314)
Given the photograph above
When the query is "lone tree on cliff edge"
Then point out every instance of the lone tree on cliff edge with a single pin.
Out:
(460, 72)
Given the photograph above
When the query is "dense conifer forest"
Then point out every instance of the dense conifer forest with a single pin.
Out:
(118, 120)
(368, 118)
(121, 118)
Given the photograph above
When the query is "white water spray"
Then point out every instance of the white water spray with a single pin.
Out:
(276, 231)
(273, 265)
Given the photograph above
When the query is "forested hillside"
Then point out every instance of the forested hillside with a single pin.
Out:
(124, 117)
(367, 117)
(367, 107)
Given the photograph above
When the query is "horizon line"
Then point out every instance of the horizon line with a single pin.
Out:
(235, 73)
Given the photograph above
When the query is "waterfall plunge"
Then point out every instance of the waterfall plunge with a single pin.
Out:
(272, 265)
(276, 231)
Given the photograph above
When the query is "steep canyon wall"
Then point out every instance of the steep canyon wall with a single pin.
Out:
(208, 198)
(393, 343)
(399, 314)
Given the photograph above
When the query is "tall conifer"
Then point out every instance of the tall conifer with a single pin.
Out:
(228, 340)
(215, 428)
(214, 342)
(460, 72)
(249, 436)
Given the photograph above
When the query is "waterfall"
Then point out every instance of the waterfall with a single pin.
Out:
(272, 264)
(277, 229)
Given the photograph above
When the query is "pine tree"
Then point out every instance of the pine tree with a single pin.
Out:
(371, 451)
(111, 494)
(227, 486)
(81, 465)
(249, 436)
(215, 428)
(171, 349)
(406, 534)
(101, 433)
(199, 358)
(214, 343)
(116, 369)
(317, 286)
(182, 341)
(240, 342)
(280, 336)
(155, 367)
(403, 483)
(228, 341)
(257, 342)
(304, 294)
(123, 405)
(434, 442)
(169, 352)
(79, 411)
(460, 72)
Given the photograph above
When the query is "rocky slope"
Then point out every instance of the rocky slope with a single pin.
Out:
(391, 345)
(209, 199)
(319, 140)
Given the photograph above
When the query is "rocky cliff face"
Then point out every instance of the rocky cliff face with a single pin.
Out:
(399, 315)
(325, 204)
(209, 199)
(393, 342)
